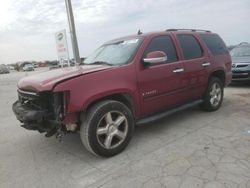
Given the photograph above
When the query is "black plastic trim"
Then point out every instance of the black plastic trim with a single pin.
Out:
(167, 113)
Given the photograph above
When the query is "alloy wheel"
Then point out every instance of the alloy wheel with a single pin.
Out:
(215, 94)
(112, 129)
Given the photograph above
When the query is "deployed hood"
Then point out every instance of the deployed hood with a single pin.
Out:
(243, 59)
(45, 81)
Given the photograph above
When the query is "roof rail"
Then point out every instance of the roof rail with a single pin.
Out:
(193, 30)
(242, 43)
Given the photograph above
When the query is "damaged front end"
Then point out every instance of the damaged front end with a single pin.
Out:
(42, 111)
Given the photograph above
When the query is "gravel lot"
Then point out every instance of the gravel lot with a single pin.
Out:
(189, 149)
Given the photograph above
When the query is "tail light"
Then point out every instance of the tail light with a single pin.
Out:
(229, 66)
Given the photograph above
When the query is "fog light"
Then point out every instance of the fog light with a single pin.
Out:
(71, 127)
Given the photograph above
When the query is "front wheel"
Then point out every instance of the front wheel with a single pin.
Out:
(107, 129)
(214, 95)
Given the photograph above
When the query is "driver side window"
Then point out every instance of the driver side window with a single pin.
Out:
(165, 44)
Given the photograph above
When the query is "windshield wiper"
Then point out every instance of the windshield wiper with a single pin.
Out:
(99, 63)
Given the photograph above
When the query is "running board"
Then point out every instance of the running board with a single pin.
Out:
(167, 113)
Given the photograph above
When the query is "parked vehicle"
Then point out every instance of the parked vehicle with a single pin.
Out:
(4, 69)
(36, 65)
(28, 67)
(54, 66)
(127, 81)
(241, 62)
(11, 67)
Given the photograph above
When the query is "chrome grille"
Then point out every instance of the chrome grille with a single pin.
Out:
(240, 65)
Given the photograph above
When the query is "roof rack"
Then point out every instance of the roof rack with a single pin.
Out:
(193, 30)
(243, 43)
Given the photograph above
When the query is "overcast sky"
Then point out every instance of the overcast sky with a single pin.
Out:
(27, 27)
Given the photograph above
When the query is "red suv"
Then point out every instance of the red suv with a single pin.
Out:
(127, 81)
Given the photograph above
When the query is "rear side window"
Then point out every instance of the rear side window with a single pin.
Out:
(165, 44)
(190, 46)
(215, 44)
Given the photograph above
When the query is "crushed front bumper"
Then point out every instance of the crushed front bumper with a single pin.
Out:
(35, 119)
(25, 114)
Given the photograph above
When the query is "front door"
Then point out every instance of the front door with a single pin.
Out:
(162, 85)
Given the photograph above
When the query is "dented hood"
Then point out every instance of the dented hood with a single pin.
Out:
(45, 81)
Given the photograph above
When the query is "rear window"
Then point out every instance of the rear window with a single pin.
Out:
(215, 44)
(190, 46)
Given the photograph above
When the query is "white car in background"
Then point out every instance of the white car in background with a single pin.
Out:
(11, 68)
(4, 69)
(28, 67)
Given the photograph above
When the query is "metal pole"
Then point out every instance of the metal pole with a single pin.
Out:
(72, 31)
(67, 47)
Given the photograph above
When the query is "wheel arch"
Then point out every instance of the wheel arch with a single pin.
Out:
(219, 74)
(124, 98)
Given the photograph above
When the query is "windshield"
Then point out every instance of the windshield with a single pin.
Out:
(240, 51)
(116, 53)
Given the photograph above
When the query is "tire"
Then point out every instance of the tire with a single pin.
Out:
(107, 128)
(213, 97)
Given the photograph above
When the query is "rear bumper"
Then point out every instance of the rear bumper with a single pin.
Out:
(228, 78)
(34, 119)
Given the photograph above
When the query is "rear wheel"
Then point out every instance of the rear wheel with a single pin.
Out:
(214, 95)
(107, 129)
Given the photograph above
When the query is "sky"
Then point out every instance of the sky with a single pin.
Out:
(28, 27)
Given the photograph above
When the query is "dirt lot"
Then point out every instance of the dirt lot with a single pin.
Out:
(189, 149)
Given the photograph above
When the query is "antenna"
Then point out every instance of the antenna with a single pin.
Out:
(139, 32)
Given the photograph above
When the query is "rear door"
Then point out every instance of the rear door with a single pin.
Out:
(219, 54)
(196, 64)
(161, 86)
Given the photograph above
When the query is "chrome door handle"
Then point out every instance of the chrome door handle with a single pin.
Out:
(205, 64)
(178, 70)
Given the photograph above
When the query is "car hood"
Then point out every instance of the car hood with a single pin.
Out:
(242, 59)
(45, 81)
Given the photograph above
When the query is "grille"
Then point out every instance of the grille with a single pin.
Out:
(240, 66)
(38, 101)
(51, 103)
(235, 65)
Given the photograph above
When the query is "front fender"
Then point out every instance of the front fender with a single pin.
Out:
(109, 95)
(91, 87)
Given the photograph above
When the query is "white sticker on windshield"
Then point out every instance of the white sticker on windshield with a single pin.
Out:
(132, 41)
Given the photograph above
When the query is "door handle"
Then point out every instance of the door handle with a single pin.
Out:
(205, 64)
(178, 70)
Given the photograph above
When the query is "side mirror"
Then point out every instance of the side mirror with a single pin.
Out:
(155, 57)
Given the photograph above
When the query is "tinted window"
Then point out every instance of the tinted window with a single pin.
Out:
(214, 44)
(165, 44)
(190, 46)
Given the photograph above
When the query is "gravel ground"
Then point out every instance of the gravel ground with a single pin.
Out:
(189, 149)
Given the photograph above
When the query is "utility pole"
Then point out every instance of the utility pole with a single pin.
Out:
(72, 31)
